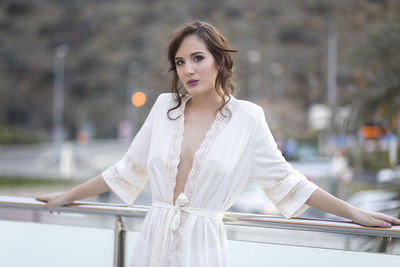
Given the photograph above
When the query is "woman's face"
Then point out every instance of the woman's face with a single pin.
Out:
(195, 66)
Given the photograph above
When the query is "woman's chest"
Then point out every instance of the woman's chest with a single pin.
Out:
(194, 134)
(221, 144)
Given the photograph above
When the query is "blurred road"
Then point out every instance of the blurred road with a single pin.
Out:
(74, 160)
(77, 162)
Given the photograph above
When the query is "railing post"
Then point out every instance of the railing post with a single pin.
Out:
(119, 242)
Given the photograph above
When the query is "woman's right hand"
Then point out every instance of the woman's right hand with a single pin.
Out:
(89, 188)
(57, 199)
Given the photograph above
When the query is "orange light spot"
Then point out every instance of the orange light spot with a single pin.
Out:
(83, 137)
(371, 132)
(138, 99)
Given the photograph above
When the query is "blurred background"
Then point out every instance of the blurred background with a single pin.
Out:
(78, 78)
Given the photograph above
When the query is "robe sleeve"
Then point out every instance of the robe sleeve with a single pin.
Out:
(287, 188)
(127, 177)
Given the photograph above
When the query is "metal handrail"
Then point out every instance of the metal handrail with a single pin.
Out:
(230, 218)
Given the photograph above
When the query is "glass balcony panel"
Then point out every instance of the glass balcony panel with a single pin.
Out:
(42, 244)
(85, 236)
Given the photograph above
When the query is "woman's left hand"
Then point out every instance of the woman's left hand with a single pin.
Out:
(322, 200)
(370, 218)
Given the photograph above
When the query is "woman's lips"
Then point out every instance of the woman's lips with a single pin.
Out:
(192, 82)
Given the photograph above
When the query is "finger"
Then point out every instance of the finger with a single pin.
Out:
(389, 239)
(381, 223)
(41, 199)
(388, 218)
(380, 238)
(394, 220)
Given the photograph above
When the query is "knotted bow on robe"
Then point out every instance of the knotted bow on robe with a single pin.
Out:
(180, 202)
(174, 220)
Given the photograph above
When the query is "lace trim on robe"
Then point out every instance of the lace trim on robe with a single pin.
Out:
(198, 161)
(173, 156)
(173, 153)
(123, 181)
(135, 167)
(276, 184)
(293, 193)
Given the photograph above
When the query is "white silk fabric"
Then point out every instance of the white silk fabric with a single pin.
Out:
(238, 146)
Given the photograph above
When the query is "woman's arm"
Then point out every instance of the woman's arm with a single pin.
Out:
(94, 186)
(322, 200)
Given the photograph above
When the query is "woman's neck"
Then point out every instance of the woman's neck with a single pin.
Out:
(205, 103)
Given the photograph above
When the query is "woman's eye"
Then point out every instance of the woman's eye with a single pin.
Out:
(198, 58)
(179, 62)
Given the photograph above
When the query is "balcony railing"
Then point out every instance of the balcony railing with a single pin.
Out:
(103, 234)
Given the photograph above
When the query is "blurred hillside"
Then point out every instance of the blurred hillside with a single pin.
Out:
(117, 47)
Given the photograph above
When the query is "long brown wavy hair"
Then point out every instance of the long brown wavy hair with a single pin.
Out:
(218, 46)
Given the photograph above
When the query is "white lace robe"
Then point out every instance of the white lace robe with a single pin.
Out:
(235, 149)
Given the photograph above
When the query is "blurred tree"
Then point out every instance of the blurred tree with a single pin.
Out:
(379, 56)
(106, 36)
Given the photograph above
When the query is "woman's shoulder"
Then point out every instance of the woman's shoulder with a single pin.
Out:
(165, 97)
(164, 100)
(168, 98)
(253, 110)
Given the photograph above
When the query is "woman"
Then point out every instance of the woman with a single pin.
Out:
(199, 146)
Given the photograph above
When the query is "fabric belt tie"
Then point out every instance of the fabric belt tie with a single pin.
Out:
(174, 219)
(179, 207)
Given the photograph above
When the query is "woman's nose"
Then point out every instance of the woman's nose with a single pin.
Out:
(189, 69)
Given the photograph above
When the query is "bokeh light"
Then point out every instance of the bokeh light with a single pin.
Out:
(138, 99)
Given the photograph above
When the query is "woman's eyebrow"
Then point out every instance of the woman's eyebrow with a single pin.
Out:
(192, 54)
